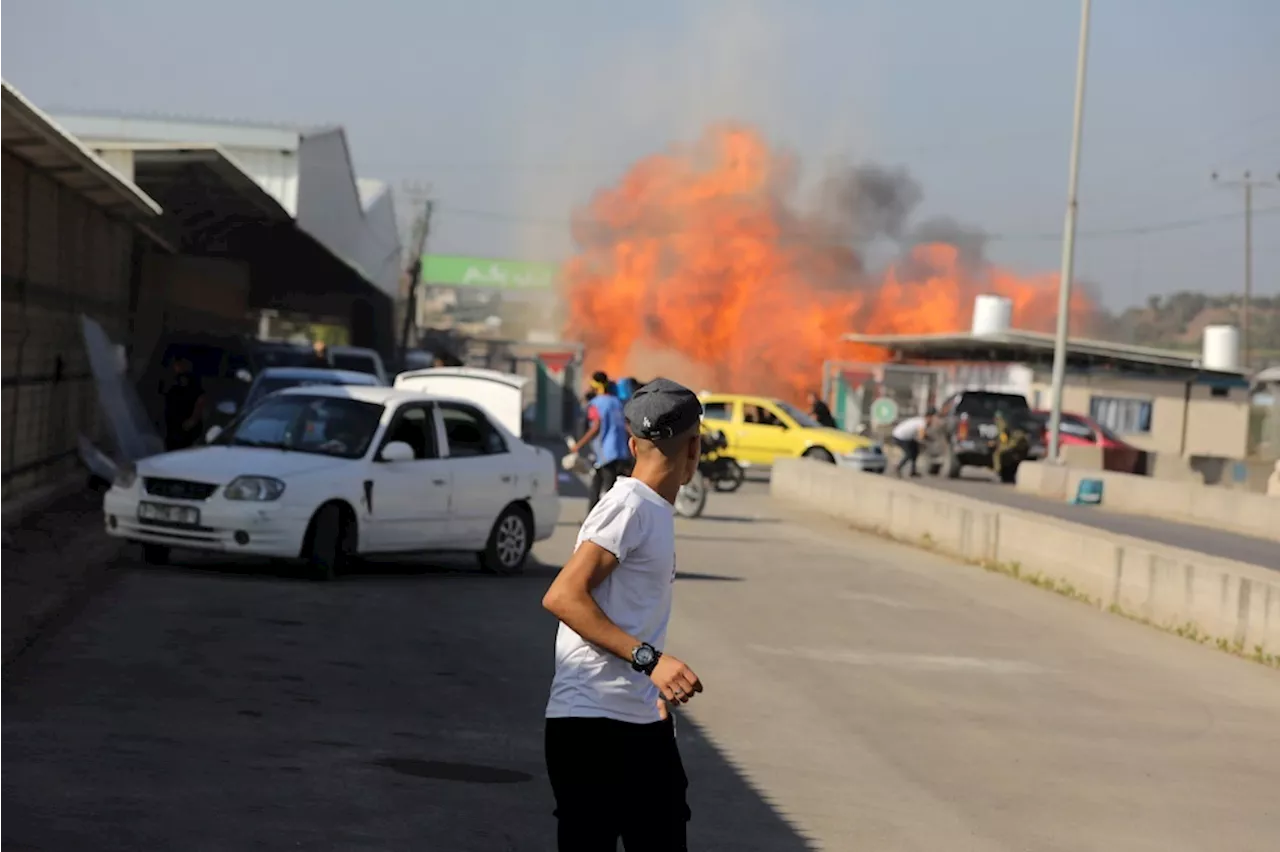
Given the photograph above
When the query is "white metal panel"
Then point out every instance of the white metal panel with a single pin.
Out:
(162, 129)
(500, 394)
(275, 171)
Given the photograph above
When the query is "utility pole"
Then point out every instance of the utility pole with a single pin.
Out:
(1068, 242)
(1248, 182)
(418, 246)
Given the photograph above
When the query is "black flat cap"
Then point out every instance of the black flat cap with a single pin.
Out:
(662, 409)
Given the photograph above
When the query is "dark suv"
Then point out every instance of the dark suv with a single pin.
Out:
(965, 434)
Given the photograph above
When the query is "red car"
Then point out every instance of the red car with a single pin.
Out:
(1078, 430)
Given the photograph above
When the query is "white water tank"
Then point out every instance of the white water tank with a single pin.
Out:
(991, 314)
(1221, 348)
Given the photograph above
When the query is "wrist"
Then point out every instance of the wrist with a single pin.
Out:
(644, 658)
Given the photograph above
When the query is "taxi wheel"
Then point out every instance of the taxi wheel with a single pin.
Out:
(331, 542)
(819, 454)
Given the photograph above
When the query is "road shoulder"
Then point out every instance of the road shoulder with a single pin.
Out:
(52, 564)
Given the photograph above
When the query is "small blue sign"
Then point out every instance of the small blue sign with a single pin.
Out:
(1088, 493)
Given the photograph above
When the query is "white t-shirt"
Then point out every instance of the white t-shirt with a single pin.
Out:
(635, 524)
(909, 429)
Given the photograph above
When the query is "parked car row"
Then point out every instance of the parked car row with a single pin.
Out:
(328, 465)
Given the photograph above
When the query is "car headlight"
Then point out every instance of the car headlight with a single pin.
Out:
(257, 488)
(126, 475)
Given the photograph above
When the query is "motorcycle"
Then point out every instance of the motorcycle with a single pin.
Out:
(722, 471)
(714, 469)
(691, 500)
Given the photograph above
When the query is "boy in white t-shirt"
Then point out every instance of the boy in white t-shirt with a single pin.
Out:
(611, 749)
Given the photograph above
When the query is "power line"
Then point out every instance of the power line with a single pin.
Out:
(1098, 233)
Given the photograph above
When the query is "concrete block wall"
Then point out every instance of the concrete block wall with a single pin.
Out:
(61, 256)
(1171, 587)
(1185, 501)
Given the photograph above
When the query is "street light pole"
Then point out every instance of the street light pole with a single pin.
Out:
(1068, 242)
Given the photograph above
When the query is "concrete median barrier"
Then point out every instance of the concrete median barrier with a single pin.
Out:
(1243, 512)
(1235, 603)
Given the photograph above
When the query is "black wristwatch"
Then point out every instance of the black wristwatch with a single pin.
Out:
(644, 657)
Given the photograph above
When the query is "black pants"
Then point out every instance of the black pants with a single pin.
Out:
(910, 452)
(604, 478)
(617, 780)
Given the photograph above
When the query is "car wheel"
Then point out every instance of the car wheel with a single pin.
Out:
(691, 499)
(509, 542)
(155, 554)
(819, 454)
(331, 543)
(952, 463)
(734, 476)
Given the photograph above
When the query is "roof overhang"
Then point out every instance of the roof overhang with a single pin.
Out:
(34, 137)
(1035, 347)
(200, 186)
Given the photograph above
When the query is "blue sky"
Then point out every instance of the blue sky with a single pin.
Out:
(515, 112)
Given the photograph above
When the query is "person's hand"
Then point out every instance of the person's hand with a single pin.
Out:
(675, 680)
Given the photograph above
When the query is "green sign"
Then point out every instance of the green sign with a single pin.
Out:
(884, 411)
(447, 270)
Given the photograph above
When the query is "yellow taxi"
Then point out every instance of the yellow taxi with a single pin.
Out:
(760, 429)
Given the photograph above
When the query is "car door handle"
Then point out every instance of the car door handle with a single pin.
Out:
(506, 477)
(438, 481)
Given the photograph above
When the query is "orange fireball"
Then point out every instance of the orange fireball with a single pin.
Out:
(695, 265)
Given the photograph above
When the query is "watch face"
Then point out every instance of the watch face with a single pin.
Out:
(644, 655)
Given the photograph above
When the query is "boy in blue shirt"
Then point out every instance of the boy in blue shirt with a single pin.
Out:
(607, 434)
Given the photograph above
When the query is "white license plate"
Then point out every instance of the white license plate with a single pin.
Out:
(167, 514)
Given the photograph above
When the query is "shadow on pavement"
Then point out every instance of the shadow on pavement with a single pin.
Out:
(186, 711)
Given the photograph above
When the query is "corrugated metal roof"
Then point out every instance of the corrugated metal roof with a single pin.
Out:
(1035, 342)
(33, 136)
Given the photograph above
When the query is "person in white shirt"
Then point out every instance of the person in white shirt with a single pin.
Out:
(909, 435)
(611, 750)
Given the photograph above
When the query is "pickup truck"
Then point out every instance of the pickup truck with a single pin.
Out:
(965, 434)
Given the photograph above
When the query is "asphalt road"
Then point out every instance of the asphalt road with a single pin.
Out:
(981, 485)
(860, 695)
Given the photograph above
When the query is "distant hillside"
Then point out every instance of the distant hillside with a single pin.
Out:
(1177, 322)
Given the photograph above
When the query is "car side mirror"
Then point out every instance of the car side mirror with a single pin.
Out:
(227, 407)
(212, 434)
(396, 451)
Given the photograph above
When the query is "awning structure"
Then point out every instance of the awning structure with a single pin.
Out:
(31, 135)
(1033, 347)
(205, 193)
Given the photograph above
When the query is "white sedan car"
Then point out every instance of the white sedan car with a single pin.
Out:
(326, 474)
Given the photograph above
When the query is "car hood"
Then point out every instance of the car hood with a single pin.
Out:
(222, 464)
(838, 441)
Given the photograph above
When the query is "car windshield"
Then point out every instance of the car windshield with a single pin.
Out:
(803, 420)
(332, 426)
(987, 404)
(1107, 434)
